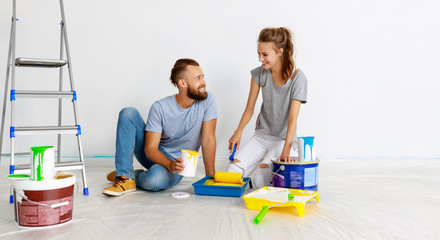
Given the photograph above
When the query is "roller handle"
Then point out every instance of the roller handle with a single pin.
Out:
(231, 158)
(265, 209)
(261, 215)
(290, 196)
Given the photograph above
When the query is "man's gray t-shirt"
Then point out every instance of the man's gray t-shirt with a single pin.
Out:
(274, 111)
(181, 128)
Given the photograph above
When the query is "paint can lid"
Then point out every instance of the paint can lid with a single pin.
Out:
(18, 176)
(180, 195)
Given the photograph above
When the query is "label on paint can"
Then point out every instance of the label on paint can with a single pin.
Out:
(310, 177)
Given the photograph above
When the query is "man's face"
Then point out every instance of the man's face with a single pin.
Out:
(196, 83)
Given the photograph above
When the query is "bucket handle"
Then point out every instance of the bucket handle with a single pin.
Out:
(275, 173)
(48, 205)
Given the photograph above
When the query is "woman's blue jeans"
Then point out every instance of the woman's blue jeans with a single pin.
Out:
(130, 139)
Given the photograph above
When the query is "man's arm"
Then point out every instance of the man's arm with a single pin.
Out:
(209, 146)
(152, 140)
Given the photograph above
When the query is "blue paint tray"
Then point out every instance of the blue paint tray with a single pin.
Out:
(212, 190)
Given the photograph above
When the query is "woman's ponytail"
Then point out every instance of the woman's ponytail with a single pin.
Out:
(281, 38)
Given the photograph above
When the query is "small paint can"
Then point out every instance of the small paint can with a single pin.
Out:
(42, 163)
(43, 203)
(190, 161)
(296, 175)
(306, 152)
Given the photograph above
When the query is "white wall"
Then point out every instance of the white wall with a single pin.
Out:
(371, 66)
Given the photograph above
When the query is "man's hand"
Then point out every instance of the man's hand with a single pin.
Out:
(177, 166)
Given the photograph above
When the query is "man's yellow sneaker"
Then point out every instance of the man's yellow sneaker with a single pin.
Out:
(121, 185)
(111, 175)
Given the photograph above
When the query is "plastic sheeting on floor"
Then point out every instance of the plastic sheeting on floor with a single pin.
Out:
(359, 199)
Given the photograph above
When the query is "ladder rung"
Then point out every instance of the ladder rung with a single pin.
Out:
(69, 166)
(43, 94)
(47, 129)
(16, 154)
(38, 62)
(20, 154)
(58, 166)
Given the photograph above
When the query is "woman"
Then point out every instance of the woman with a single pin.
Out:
(284, 88)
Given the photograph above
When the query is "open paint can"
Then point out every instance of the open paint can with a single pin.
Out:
(43, 203)
(190, 161)
(296, 175)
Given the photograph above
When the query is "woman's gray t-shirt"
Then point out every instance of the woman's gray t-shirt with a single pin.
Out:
(274, 111)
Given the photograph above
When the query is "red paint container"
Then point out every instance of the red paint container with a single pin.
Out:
(43, 203)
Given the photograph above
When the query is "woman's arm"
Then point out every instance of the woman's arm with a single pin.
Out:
(291, 129)
(247, 114)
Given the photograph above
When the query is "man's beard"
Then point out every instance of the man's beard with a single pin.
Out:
(196, 95)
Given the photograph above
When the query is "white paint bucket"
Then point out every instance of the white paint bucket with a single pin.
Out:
(43, 203)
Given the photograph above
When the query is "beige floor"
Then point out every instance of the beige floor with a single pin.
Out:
(360, 199)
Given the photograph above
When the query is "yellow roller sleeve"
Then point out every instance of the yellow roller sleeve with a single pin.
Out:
(228, 177)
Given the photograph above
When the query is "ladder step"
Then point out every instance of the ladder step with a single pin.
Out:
(58, 166)
(20, 154)
(38, 62)
(16, 154)
(47, 130)
(43, 94)
(69, 166)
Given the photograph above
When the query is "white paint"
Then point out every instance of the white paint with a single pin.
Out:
(371, 66)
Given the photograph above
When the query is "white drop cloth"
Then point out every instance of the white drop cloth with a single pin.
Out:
(360, 199)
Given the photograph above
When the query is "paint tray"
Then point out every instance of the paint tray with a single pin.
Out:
(268, 196)
(218, 190)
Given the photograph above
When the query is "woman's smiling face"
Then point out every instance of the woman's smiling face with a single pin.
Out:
(268, 56)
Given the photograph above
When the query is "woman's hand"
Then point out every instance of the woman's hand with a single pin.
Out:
(235, 139)
(286, 158)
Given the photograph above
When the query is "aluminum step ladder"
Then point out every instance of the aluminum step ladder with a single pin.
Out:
(16, 94)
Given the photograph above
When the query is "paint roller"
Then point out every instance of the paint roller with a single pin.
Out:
(230, 177)
(265, 209)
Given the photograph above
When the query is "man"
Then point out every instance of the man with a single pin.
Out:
(182, 121)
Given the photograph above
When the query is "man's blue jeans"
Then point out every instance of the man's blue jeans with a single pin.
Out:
(130, 139)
